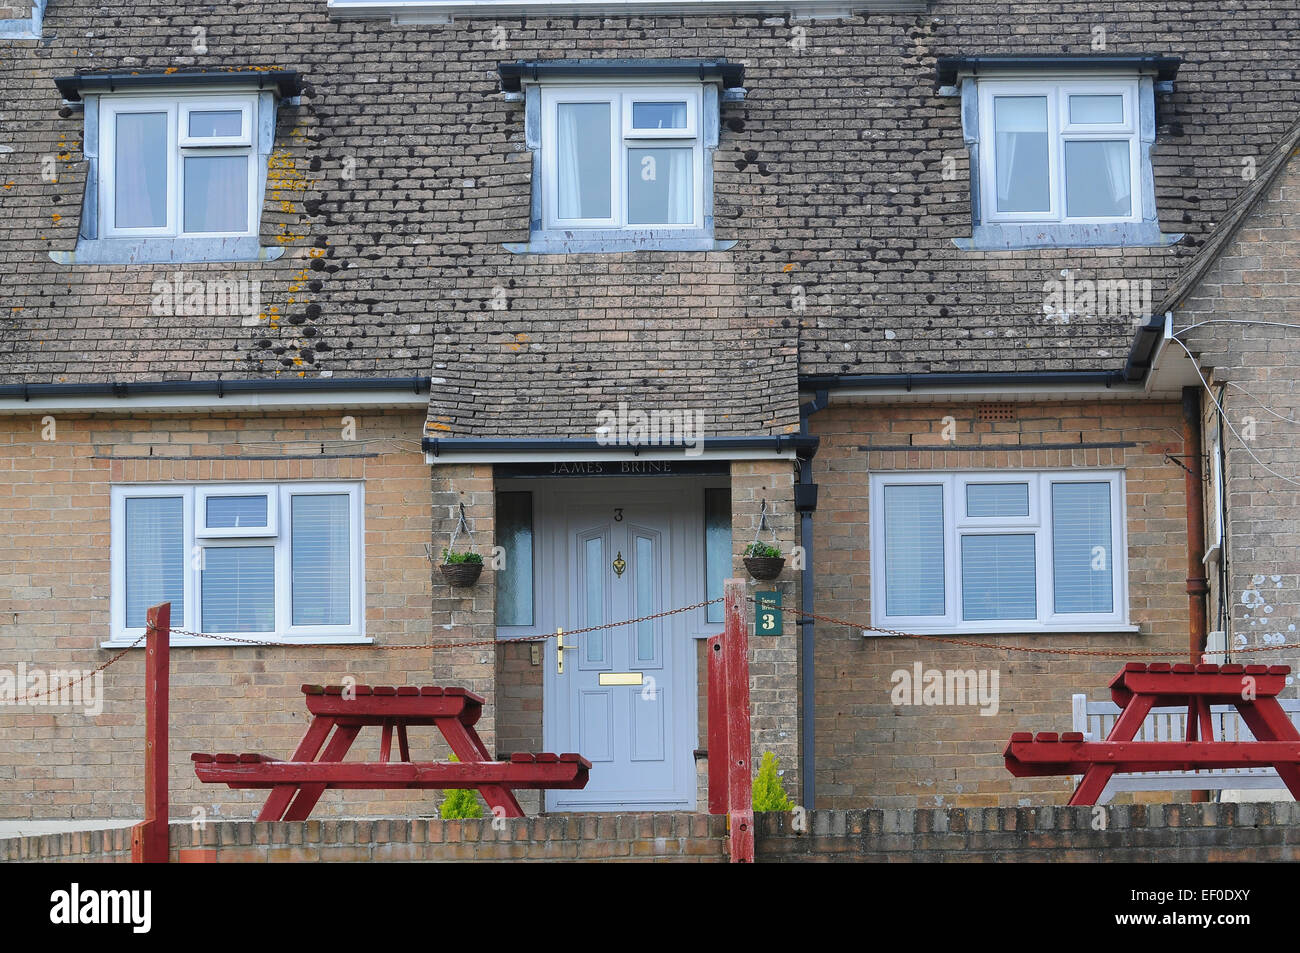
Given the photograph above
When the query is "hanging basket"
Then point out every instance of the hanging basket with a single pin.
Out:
(764, 567)
(460, 575)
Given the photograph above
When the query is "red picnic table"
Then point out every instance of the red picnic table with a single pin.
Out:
(1139, 688)
(297, 784)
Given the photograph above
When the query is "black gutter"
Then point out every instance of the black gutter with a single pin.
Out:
(947, 68)
(417, 385)
(513, 74)
(805, 503)
(911, 382)
(1142, 355)
(803, 446)
(287, 83)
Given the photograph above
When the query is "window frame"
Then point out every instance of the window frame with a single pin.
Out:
(622, 138)
(957, 525)
(181, 146)
(1057, 91)
(195, 546)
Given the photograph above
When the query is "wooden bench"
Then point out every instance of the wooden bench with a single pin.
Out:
(339, 714)
(1093, 720)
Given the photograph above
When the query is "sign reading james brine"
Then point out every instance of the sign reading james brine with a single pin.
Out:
(599, 468)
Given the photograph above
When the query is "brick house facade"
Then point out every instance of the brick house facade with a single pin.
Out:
(845, 309)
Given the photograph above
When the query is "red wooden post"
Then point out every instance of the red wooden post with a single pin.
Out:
(149, 842)
(740, 791)
(717, 742)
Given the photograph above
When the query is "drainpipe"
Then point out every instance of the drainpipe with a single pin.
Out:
(805, 502)
(1197, 587)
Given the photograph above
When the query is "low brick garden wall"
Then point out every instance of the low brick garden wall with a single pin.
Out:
(1132, 833)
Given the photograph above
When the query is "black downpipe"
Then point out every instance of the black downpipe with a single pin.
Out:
(806, 503)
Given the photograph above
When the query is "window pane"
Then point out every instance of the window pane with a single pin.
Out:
(140, 171)
(216, 193)
(646, 604)
(155, 557)
(238, 589)
(1097, 179)
(515, 580)
(660, 187)
(321, 560)
(914, 582)
(582, 165)
(1020, 128)
(227, 512)
(1081, 547)
(226, 123)
(593, 576)
(717, 547)
(658, 115)
(998, 577)
(1096, 109)
(997, 499)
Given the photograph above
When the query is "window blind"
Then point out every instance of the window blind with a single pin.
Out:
(321, 562)
(914, 570)
(1081, 547)
(997, 499)
(155, 556)
(238, 589)
(227, 512)
(998, 577)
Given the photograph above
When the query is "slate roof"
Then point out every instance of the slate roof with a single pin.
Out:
(829, 177)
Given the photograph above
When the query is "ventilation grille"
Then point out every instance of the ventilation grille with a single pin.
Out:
(995, 411)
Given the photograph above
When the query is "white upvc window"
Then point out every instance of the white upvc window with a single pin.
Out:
(178, 166)
(622, 158)
(271, 561)
(999, 551)
(1060, 151)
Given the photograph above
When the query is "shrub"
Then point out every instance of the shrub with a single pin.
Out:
(769, 795)
(459, 802)
(762, 550)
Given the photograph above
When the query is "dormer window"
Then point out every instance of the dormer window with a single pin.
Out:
(178, 166)
(1059, 148)
(622, 151)
(1059, 151)
(622, 158)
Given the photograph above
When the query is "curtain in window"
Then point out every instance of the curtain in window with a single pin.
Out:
(1081, 547)
(514, 526)
(155, 557)
(914, 570)
(140, 170)
(582, 163)
(216, 193)
(1097, 179)
(660, 187)
(321, 560)
(1020, 132)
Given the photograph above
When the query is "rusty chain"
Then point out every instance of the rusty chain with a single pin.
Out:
(543, 636)
(31, 699)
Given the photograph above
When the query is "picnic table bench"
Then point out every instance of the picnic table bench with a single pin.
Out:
(1139, 688)
(298, 783)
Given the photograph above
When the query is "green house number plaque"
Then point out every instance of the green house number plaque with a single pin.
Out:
(768, 620)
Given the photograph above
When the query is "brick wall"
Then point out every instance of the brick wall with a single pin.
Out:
(1253, 370)
(54, 605)
(1189, 833)
(773, 660)
(467, 614)
(872, 752)
(1137, 833)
